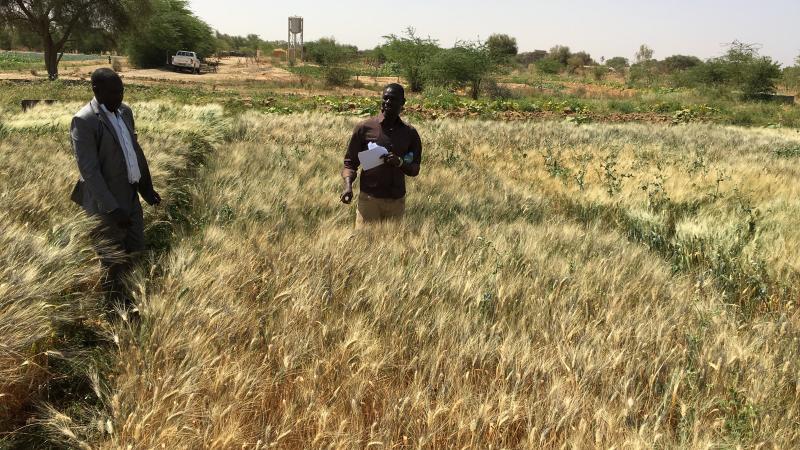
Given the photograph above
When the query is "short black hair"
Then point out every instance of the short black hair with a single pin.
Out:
(397, 87)
(103, 76)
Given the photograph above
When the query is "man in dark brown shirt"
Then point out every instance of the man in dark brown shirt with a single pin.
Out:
(383, 188)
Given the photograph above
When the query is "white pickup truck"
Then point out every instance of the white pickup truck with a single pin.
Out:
(186, 60)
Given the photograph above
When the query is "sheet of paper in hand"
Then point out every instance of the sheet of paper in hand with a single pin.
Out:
(371, 158)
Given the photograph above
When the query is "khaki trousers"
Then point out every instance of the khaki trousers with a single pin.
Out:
(373, 210)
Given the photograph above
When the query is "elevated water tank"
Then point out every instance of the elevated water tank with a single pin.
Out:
(295, 25)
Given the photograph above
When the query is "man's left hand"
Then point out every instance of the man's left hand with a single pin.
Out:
(153, 199)
(392, 160)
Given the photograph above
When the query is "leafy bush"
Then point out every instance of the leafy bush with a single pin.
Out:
(548, 65)
(336, 76)
(599, 72)
(622, 106)
(740, 69)
(527, 58)
(561, 54)
(759, 76)
(438, 97)
(791, 79)
(578, 60)
(494, 90)
(465, 65)
(618, 63)
(643, 73)
(502, 47)
(328, 52)
(667, 106)
(677, 63)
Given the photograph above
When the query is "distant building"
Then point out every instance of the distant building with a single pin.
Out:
(526, 58)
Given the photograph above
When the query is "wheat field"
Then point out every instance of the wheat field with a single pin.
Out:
(50, 302)
(553, 286)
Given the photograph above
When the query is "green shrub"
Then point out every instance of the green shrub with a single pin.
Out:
(328, 52)
(622, 106)
(528, 105)
(667, 106)
(618, 63)
(791, 79)
(438, 97)
(759, 76)
(599, 72)
(336, 76)
(743, 117)
(494, 90)
(467, 64)
(548, 65)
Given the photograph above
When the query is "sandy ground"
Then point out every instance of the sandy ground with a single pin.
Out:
(229, 71)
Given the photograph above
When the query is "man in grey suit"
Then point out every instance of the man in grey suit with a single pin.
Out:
(113, 173)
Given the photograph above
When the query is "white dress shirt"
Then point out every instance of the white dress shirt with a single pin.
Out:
(126, 142)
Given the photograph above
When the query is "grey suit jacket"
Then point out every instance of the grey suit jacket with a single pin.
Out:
(104, 184)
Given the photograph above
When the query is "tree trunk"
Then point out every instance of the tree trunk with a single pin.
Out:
(476, 89)
(415, 80)
(51, 58)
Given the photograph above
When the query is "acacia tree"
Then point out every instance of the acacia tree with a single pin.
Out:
(466, 64)
(410, 53)
(57, 21)
(753, 74)
(644, 54)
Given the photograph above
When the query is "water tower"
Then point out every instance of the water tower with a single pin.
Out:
(295, 40)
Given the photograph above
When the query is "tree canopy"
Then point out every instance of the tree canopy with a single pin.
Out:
(644, 54)
(245, 45)
(560, 53)
(466, 64)
(411, 53)
(676, 63)
(328, 52)
(501, 47)
(56, 22)
(578, 60)
(171, 27)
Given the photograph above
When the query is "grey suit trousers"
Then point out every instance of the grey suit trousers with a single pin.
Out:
(126, 240)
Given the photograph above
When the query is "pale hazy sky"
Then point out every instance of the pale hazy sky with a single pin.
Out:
(603, 28)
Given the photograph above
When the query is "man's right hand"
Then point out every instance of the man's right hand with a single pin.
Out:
(347, 196)
(121, 218)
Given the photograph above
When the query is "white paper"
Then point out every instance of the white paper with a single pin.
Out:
(371, 158)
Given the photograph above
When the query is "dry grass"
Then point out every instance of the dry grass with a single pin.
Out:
(522, 305)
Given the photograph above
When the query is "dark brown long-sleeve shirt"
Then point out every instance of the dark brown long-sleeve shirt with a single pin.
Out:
(399, 138)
